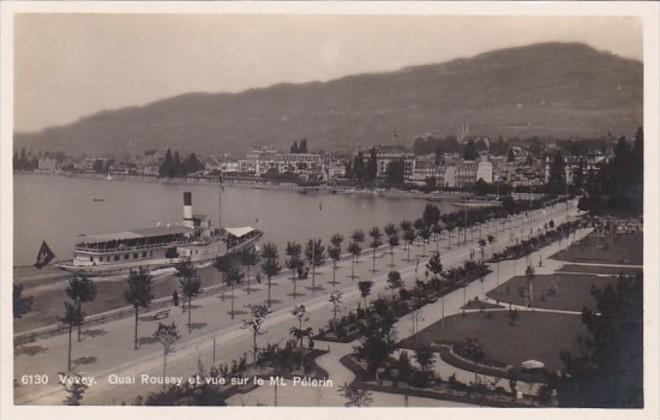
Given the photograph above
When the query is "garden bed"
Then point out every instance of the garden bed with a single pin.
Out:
(477, 304)
(439, 391)
(535, 335)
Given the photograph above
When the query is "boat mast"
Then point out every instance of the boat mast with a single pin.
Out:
(220, 203)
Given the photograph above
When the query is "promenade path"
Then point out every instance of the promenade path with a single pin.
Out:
(430, 314)
(107, 349)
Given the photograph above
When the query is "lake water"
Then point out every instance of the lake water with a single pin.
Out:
(58, 208)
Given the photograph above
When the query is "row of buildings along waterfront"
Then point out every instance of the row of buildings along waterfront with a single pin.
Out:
(449, 170)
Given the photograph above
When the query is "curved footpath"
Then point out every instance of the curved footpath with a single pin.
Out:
(431, 314)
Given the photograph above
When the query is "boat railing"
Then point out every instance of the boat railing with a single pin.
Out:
(85, 248)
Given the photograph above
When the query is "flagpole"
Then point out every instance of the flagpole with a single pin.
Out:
(220, 203)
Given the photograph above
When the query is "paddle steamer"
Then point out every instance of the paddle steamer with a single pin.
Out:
(195, 240)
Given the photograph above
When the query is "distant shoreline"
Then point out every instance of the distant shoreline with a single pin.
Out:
(266, 185)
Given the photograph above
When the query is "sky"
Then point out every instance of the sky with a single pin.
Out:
(71, 65)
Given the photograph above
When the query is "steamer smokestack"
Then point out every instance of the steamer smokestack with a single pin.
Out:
(187, 210)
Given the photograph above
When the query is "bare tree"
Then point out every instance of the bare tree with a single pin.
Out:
(258, 313)
(167, 335)
(138, 295)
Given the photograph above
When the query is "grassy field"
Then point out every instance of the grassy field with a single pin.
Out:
(569, 292)
(626, 248)
(535, 335)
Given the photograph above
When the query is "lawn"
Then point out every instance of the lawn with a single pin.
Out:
(569, 292)
(624, 248)
(599, 269)
(535, 335)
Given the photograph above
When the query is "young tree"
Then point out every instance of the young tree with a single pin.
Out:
(80, 289)
(377, 344)
(393, 241)
(336, 300)
(167, 335)
(391, 229)
(22, 304)
(409, 236)
(191, 285)
(299, 333)
(482, 248)
(258, 313)
(334, 252)
(491, 241)
(358, 236)
(394, 282)
(474, 351)
(138, 294)
(376, 241)
(405, 225)
(425, 234)
(529, 277)
(365, 290)
(271, 266)
(355, 250)
(434, 265)
(315, 254)
(75, 388)
(355, 397)
(426, 361)
(294, 263)
(73, 316)
(249, 258)
(436, 230)
(221, 265)
(232, 278)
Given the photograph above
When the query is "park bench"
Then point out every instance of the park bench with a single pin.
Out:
(161, 314)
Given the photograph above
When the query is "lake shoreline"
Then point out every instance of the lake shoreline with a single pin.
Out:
(57, 209)
(283, 186)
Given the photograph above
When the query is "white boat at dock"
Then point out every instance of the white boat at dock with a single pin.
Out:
(153, 248)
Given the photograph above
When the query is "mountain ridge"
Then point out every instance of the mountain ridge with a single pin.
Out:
(553, 89)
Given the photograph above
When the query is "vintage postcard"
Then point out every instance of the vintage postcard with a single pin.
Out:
(329, 205)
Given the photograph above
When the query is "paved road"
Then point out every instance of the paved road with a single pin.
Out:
(108, 349)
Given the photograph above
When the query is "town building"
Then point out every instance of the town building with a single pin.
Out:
(47, 165)
(469, 171)
(260, 161)
(383, 159)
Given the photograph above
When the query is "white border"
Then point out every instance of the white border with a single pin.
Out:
(649, 12)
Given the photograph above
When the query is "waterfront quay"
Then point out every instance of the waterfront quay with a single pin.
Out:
(215, 337)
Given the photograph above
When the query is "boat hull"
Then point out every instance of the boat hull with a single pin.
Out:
(155, 264)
